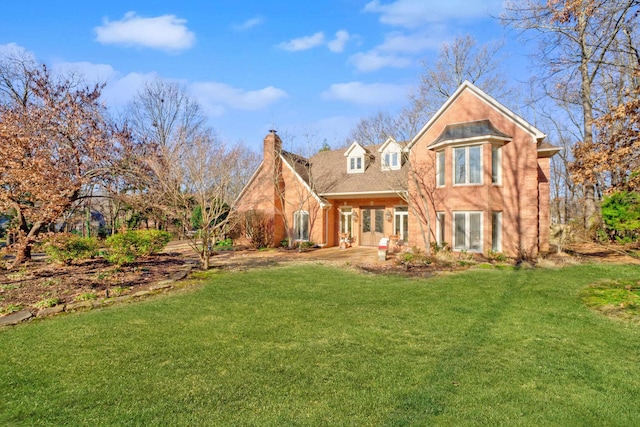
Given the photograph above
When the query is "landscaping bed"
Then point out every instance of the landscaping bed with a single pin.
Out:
(39, 284)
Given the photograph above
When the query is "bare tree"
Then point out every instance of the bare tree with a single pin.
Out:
(201, 182)
(576, 39)
(185, 172)
(374, 129)
(463, 59)
(165, 122)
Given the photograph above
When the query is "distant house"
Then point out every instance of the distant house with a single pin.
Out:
(476, 177)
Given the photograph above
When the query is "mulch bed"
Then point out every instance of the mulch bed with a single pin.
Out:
(39, 280)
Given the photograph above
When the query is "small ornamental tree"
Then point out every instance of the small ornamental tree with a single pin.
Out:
(53, 144)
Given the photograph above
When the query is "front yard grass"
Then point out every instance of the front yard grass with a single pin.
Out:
(316, 345)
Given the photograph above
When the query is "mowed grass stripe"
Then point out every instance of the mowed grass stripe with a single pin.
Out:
(315, 345)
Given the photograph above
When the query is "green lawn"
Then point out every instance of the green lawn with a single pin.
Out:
(314, 345)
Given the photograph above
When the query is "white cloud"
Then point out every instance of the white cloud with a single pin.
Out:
(13, 50)
(91, 73)
(216, 97)
(303, 43)
(373, 60)
(248, 24)
(410, 43)
(166, 32)
(367, 94)
(413, 13)
(121, 90)
(337, 44)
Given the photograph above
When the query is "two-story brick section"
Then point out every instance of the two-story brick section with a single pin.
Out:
(475, 177)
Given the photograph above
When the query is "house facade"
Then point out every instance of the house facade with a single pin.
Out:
(475, 178)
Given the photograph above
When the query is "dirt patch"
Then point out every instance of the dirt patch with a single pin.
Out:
(594, 252)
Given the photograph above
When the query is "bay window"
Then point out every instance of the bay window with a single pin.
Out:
(467, 165)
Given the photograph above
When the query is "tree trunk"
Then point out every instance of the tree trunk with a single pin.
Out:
(24, 246)
(587, 110)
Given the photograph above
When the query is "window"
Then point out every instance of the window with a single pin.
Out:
(355, 164)
(496, 165)
(440, 168)
(346, 215)
(467, 233)
(467, 165)
(301, 225)
(496, 231)
(401, 223)
(440, 240)
(390, 161)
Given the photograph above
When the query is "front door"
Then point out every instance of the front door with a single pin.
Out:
(372, 226)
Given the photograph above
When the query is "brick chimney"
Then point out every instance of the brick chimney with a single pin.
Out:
(272, 145)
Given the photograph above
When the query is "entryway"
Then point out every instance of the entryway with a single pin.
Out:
(372, 225)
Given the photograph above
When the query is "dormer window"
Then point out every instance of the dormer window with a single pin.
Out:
(390, 155)
(390, 161)
(357, 157)
(355, 164)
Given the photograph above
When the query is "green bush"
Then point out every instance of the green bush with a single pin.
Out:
(124, 248)
(66, 247)
(621, 216)
(413, 258)
(226, 242)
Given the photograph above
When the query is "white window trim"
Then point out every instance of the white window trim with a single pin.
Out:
(405, 214)
(385, 166)
(467, 169)
(296, 225)
(348, 212)
(497, 149)
(496, 247)
(355, 169)
(440, 154)
(439, 227)
(467, 231)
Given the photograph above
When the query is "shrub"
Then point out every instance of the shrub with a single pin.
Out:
(414, 258)
(124, 248)
(257, 228)
(440, 248)
(225, 243)
(621, 216)
(66, 247)
(496, 256)
(151, 241)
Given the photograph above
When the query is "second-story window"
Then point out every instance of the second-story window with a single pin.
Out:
(440, 168)
(355, 164)
(390, 160)
(496, 165)
(467, 165)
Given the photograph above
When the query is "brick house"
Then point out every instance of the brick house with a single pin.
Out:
(475, 177)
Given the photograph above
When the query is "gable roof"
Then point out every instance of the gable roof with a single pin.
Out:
(467, 86)
(388, 142)
(301, 169)
(330, 176)
(356, 146)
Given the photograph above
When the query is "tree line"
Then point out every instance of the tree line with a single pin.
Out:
(158, 164)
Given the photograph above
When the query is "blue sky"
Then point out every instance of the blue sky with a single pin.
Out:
(301, 67)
